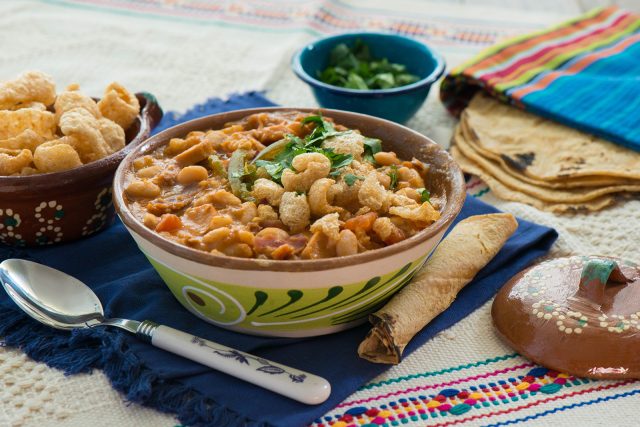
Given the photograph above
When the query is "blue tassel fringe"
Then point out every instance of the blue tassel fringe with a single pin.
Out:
(82, 350)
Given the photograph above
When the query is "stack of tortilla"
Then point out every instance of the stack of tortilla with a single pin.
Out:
(525, 158)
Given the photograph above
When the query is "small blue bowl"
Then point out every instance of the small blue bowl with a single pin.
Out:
(397, 104)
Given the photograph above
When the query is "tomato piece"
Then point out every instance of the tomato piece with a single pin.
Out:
(169, 222)
(361, 222)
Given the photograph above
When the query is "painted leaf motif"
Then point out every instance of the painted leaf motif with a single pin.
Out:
(233, 354)
(240, 358)
(270, 369)
(198, 341)
(297, 378)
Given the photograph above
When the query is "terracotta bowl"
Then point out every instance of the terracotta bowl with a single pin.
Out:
(60, 207)
(296, 298)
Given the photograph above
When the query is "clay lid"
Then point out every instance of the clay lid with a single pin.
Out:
(579, 315)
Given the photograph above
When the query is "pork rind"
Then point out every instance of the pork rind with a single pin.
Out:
(387, 231)
(309, 167)
(86, 138)
(13, 123)
(294, 211)
(346, 143)
(72, 99)
(329, 225)
(55, 156)
(112, 134)
(320, 198)
(26, 171)
(30, 87)
(13, 161)
(119, 105)
(418, 213)
(34, 105)
(73, 134)
(264, 189)
(27, 139)
(372, 193)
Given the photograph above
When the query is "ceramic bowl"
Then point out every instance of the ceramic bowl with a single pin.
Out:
(63, 206)
(296, 298)
(398, 104)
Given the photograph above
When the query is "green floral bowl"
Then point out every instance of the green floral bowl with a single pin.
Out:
(297, 298)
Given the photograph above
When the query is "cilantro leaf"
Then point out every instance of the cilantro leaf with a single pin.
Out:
(323, 129)
(338, 161)
(393, 174)
(351, 179)
(273, 168)
(425, 195)
(371, 147)
(317, 119)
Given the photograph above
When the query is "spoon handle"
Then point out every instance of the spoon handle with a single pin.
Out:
(293, 383)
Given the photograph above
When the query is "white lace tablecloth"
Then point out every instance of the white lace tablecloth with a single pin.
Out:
(186, 51)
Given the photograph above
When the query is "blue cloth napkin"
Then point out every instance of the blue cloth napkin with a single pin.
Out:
(582, 73)
(111, 264)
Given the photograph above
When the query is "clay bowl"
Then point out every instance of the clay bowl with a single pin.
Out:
(296, 298)
(60, 207)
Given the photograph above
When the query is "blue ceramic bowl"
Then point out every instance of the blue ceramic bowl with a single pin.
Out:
(397, 104)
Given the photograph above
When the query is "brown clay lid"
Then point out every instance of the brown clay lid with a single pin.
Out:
(579, 315)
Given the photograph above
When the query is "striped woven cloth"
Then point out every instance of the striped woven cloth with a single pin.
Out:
(584, 73)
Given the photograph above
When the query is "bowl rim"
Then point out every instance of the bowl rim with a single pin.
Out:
(149, 115)
(448, 214)
(436, 73)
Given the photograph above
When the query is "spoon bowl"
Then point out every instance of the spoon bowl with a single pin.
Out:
(49, 295)
(64, 302)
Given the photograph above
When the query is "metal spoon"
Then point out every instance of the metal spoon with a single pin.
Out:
(63, 302)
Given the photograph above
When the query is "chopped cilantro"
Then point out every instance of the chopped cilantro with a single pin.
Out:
(310, 144)
(355, 68)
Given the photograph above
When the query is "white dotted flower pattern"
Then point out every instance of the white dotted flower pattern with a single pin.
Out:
(99, 219)
(48, 213)
(9, 222)
(43, 224)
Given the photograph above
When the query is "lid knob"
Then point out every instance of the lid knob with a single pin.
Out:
(596, 274)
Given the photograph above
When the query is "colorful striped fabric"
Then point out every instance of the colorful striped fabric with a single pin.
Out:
(584, 73)
(438, 26)
(498, 391)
